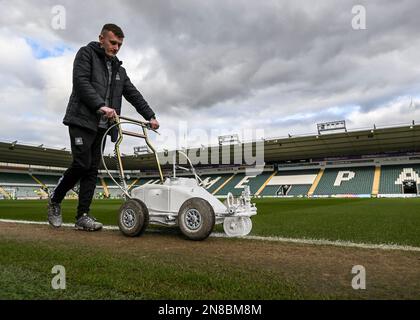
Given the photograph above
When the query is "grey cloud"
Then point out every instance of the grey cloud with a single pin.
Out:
(213, 52)
(236, 60)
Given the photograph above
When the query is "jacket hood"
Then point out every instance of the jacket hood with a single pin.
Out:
(100, 51)
(97, 48)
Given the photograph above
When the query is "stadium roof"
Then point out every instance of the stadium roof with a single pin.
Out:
(399, 139)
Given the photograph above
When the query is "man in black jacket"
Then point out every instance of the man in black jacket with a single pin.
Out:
(99, 82)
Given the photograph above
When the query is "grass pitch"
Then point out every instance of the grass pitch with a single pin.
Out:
(94, 272)
(377, 221)
(107, 265)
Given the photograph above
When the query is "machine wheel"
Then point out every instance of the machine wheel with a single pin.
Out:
(133, 218)
(237, 226)
(196, 219)
(248, 225)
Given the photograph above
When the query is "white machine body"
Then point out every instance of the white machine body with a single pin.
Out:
(165, 200)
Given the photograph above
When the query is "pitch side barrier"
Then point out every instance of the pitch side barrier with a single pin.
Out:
(398, 195)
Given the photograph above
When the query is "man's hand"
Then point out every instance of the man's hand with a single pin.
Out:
(108, 112)
(154, 124)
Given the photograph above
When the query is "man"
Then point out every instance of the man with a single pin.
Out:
(99, 82)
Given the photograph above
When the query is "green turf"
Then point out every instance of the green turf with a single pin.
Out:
(103, 274)
(35, 210)
(395, 221)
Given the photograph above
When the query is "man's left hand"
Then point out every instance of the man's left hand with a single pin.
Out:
(154, 124)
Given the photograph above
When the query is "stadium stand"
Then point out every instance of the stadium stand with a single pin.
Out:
(18, 186)
(290, 183)
(28, 192)
(48, 180)
(235, 184)
(213, 183)
(369, 162)
(393, 180)
(9, 178)
(299, 190)
(114, 192)
(396, 179)
(346, 181)
(351, 180)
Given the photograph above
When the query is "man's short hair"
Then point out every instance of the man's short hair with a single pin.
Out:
(114, 29)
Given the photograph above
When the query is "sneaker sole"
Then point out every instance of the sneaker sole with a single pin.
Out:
(87, 229)
(53, 225)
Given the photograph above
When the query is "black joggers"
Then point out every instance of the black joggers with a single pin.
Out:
(86, 152)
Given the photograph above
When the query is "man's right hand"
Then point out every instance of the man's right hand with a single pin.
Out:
(108, 112)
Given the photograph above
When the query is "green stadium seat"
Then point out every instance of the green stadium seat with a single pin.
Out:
(294, 180)
(49, 180)
(237, 183)
(213, 182)
(349, 181)
(16, 178)
(390, 182)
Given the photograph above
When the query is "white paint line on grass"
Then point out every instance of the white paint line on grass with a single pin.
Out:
(337, 243)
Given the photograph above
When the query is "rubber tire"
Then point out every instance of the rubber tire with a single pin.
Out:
(141, 217)
(207, 216)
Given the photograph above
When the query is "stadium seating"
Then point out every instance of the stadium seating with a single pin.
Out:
(212, 183)
(393, 176)
(222, 184)
(27, 192)
(114, 192)
(351, 181)
(48, 180)
(15, 178)
(290, 183)
(299, 190)
(390, 180)
(110, 188)
(237, 182)
(18, 185)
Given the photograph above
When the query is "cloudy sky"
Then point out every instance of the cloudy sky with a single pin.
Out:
(207, 68)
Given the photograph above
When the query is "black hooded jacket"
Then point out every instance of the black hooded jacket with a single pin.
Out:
(90, 84)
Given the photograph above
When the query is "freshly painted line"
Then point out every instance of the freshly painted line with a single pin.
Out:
(338, 243)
